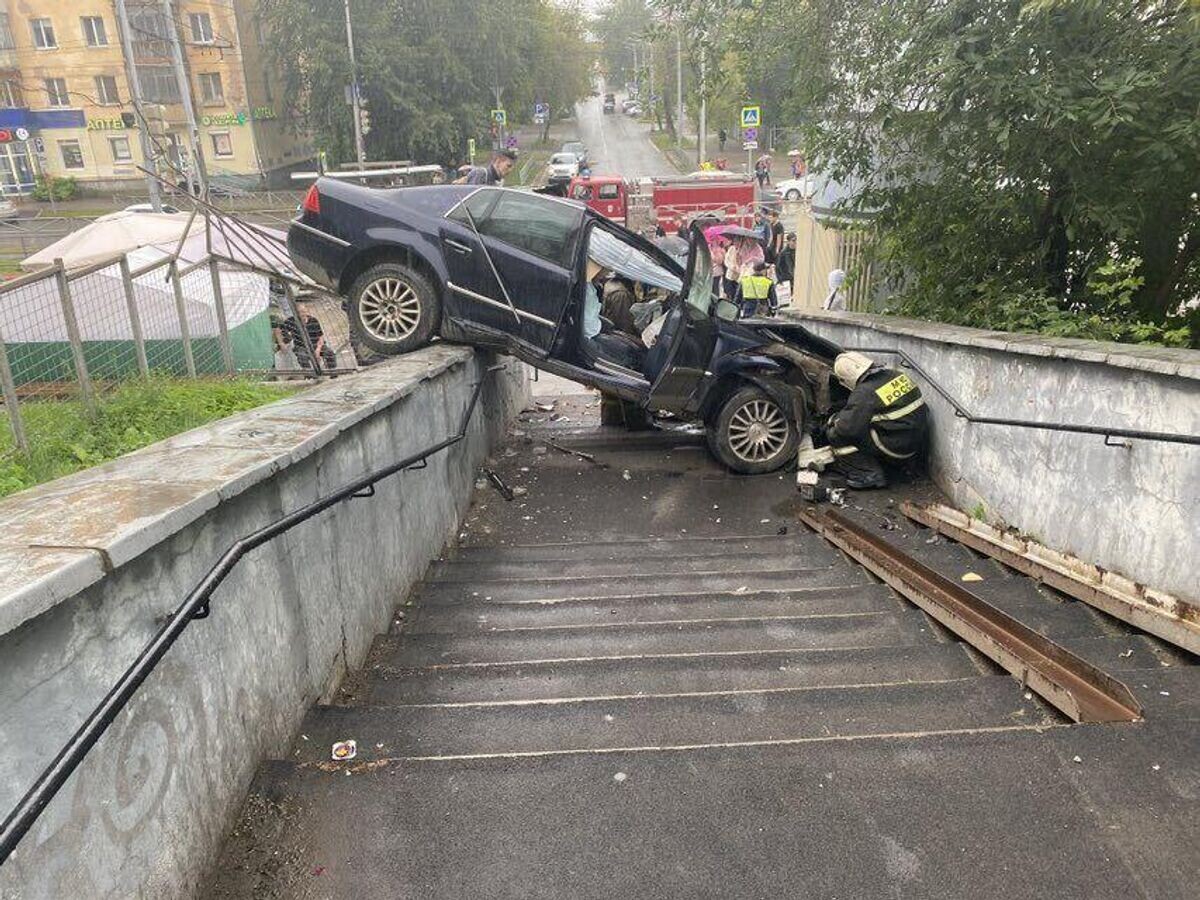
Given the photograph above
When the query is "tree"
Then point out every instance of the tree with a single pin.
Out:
(430, 69)
(1008, 147)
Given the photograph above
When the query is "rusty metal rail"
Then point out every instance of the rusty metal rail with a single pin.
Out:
(1073, 685)
(1161, 614)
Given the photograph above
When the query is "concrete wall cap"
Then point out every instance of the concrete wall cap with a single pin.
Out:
(1157, 360)
(62, 536)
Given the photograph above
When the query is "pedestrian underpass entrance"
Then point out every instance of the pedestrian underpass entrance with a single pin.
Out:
(643, 676)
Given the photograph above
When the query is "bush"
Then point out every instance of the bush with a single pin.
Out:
(1104, 312)
(55, 188)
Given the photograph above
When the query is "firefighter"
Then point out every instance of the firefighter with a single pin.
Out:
(884, 421)
(757, 292)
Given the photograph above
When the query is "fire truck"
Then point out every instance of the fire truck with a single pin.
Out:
(640, 205)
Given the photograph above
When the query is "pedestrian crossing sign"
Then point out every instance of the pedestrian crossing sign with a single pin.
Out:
(751, 116)
(500, 117)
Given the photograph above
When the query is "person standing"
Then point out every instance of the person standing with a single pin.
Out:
(494, 172)
(762, 170)
(722, 137)
(785, 265)
(756, 292)
(774, 237)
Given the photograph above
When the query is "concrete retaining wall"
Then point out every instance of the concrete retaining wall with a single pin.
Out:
(145, 813)
(1132, 510)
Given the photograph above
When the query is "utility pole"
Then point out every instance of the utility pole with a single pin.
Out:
(679, 85)
(355, 98)
(185, 92)
(702, 136)
(135, 96)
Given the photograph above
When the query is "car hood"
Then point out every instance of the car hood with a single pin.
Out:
(773, 331)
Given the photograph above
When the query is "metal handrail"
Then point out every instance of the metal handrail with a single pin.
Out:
(962, 412)
(194, 606)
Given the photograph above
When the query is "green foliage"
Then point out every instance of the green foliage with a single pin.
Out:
(55, 188)
(1007, 148)
(63, 439)
(429, 69)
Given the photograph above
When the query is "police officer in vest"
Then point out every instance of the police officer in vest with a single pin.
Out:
(757, 293)
(884, 421)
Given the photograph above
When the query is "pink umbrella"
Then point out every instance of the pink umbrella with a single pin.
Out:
(715, 235)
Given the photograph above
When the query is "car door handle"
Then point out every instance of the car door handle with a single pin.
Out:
(461, 248)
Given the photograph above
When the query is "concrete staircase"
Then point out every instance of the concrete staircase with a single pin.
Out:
(691, 716)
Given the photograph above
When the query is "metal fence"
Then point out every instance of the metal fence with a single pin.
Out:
(72, 335)
(825, 242)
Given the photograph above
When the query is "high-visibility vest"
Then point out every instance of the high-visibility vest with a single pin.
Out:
(755, 287)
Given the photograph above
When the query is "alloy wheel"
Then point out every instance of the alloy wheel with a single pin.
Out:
(758, 431)
(390, 309)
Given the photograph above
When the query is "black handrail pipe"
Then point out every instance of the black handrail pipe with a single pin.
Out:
(963, 413)
(194, 606)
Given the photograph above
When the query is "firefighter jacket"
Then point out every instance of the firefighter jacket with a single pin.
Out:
(885, 415)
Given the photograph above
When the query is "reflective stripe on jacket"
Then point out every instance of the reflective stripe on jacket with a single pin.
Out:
(885, 414)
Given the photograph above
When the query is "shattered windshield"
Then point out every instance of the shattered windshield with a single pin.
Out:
(624, 259)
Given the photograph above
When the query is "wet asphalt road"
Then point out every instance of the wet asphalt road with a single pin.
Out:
(618, 144)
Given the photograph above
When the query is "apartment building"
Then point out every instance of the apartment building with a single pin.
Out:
(65, 99)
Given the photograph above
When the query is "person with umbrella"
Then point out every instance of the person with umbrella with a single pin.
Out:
(743, 253)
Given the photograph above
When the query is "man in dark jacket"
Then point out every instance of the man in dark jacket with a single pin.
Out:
(884, 420)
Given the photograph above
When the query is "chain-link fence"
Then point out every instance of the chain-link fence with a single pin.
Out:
(74, 334)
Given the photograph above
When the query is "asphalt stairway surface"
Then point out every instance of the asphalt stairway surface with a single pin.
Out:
(624, 706)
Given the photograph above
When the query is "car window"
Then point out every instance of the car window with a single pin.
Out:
(534, 224)
(700, 286)
(584, 192)
(479, 203)
(609, 192)
(563, 158)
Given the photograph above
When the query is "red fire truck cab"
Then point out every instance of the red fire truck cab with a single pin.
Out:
(606, 194)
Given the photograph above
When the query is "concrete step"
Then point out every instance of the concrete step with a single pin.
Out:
(853, 819)
(497, 615)
(794, 558)
(386, 686)
(714, 578)
(671, 721)
(839, 631)
(797, 540)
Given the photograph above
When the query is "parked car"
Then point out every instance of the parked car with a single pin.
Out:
(579, 149)
(146, 207)
(506, 269)
(610, 106)
(797, 188)
(562, 168)
(634, 110)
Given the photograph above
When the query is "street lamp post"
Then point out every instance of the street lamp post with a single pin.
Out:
(355, 99)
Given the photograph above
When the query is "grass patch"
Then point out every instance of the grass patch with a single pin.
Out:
(63, 439)
(10, 265)
(663, 141)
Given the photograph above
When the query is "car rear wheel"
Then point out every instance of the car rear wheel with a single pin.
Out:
(394, 309)
(752, 433)
(793, 194)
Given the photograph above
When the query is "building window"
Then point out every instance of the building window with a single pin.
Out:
(222, 144)
(72, 154)
(106, 90)
(211, 91)
(159, 84)
(201, 25)
(151, 33)
(56, 92)
(43, 34)
(10, 94)
(93, 31)
(120, 149)
(6, 38)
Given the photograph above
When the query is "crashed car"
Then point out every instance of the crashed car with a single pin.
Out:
(506, 269)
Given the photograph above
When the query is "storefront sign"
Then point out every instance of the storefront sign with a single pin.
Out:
(237, 118)
(264, 112)
(113, 124)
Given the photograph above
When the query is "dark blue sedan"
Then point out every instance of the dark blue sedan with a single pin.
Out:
(535, 276)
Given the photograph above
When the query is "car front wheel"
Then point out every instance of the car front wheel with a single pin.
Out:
(752, 433)
(793, 194)
(393, 309)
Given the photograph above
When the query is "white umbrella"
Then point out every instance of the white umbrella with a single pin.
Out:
(118, 232)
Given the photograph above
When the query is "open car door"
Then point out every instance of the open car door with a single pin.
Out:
(678, 363)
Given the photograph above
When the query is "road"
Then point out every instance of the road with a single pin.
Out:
(619, 145)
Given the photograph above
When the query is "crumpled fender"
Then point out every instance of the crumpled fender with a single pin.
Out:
(788, 396)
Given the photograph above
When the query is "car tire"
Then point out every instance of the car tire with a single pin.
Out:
(393, 309)
(793, 194)
(751, 433)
